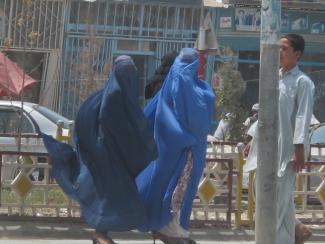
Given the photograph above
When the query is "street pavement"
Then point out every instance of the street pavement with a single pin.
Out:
(89, 242)
(24, 232)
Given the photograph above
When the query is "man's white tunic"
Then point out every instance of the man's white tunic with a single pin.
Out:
(296, 98)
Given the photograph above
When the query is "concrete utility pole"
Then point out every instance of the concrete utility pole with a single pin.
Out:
(266, 173)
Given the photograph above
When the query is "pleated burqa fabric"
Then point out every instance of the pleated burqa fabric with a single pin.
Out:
(180, 116)
(113, 143)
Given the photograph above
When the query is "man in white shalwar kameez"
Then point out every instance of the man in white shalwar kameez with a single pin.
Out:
(296, 97)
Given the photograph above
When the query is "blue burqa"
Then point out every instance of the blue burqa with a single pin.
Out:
(180, 116)
(113, 143)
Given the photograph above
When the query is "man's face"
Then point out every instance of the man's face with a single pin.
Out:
(288, 56)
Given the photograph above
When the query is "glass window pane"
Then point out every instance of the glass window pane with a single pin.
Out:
(10, 122)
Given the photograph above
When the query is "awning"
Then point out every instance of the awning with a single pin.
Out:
(12, 78)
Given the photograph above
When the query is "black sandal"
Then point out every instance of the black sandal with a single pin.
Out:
(102, 238)
(170, 240)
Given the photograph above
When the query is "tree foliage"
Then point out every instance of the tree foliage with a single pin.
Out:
(229, 97)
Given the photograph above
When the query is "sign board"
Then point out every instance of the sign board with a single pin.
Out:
(248, 19)
(214, 3)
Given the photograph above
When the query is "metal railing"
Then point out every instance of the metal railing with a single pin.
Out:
(213, 204)
(28, 191)
(309, 193)
(36, 24)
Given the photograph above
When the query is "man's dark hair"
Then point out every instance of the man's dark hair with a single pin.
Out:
(296, 41)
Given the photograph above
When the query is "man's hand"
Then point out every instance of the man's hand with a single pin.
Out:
(247, 148)
(299, 157)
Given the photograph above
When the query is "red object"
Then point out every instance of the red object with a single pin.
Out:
(12, 78)
(202, 62)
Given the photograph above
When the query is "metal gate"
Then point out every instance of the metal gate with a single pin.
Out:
(96, 32)
(36, 24)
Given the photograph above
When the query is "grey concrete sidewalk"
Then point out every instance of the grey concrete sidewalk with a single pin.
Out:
(71, 233)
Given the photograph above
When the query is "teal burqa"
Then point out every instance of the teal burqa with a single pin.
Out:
(180, 116)
(113, 143)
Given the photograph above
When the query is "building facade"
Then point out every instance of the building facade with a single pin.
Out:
(76, 41)
(31, 34)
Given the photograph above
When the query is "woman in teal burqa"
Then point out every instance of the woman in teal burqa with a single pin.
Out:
(113, 143)
(180, 116)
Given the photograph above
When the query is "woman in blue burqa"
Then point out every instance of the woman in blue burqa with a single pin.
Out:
(180, 116)
(112, 144)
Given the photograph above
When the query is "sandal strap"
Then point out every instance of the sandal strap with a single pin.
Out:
(100, 237)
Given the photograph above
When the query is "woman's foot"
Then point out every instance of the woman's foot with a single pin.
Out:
(171, 239)
(302, 233)
(102, 238)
